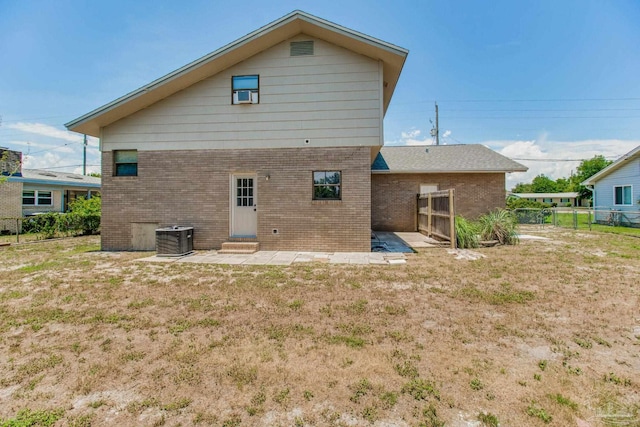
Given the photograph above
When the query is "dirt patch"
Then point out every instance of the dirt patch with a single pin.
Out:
(543, 333)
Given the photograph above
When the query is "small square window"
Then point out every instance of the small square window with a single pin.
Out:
(125, 163)
(327, 185)
(622, 195)
(29, 198)
(245, 89)
(45, 198)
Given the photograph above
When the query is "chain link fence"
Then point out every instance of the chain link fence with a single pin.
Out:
(578, 218)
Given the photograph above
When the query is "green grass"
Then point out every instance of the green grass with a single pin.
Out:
(565, 220)
(28, 418)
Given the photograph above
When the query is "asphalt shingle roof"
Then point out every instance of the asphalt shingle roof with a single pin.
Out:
(443, 159)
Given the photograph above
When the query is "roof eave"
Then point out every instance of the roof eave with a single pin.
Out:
(631, 155)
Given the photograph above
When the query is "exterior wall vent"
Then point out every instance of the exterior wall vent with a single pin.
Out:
(302, 48)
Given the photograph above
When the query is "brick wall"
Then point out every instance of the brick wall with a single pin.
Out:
(393, 196)
(191, 188)
(10, 204)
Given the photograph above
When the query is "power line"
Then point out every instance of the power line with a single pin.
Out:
(48, 149)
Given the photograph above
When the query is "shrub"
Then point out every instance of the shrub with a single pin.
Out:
(518, 203)
(466, 233)
(45, 224)
(83, 218)
(85, 214)
(499, 225)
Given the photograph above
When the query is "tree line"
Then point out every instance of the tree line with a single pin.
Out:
(544, 184)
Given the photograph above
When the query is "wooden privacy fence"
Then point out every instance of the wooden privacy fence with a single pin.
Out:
(436, 215)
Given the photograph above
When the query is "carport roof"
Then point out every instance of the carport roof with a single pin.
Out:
(463, 158)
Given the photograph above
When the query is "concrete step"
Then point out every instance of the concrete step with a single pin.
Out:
(239, 248)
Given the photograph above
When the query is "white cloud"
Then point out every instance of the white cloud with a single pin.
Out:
(51, 132)
(446, 133)
(411, 134)
(44, 146)
(412, 137)
(28, 144)
(46, 160)
(556, 159)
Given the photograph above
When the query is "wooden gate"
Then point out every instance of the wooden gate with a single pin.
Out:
(436, 215)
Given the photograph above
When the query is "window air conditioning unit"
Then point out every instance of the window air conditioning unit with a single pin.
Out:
(245, 97)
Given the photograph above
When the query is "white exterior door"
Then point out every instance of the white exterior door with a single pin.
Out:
(244, 205)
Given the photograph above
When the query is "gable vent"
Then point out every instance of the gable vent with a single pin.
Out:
(302, 48)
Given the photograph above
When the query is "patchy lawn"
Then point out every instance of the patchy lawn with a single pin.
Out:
(543, 333)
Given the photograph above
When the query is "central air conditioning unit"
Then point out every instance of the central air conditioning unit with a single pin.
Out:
(245, 97)
(174, 241)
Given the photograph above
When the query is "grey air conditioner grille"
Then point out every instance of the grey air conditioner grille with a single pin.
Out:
(302, 48)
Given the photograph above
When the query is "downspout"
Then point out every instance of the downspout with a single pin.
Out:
(593, 195)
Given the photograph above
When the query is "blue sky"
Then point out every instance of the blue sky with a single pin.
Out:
(547, 80)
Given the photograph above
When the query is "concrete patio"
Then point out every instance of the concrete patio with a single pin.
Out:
(285, 258)
(388, 248)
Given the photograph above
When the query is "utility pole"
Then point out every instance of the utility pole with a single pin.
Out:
(435, 131)
(437, 127)
(84, 156)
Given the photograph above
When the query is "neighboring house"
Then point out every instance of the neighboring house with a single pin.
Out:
(269, 139)
(567, 199)
(399, 173)
(617, 187)
(31, 191)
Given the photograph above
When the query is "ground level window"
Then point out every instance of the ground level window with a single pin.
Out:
(327, 185)
(37, 198)
(125, 163)
(622, 195)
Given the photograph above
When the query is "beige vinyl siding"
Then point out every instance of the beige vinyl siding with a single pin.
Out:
(332, 98)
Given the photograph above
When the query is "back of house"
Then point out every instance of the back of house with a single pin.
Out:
(269, 139)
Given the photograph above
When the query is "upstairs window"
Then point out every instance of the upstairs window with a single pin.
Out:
(125, 163)
(327, 185)
(622, 194)
(245, 89)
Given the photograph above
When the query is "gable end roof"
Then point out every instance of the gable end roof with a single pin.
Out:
(631, 155)
(464, 158)
(296, 22)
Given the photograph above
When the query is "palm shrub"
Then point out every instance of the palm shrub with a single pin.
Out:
(466, 233)
(499, 225)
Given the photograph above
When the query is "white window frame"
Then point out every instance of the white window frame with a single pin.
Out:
(254, 92)
(36, 197)
(630, 195)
